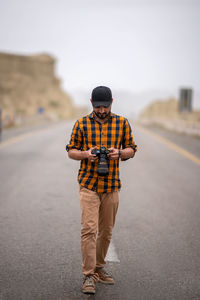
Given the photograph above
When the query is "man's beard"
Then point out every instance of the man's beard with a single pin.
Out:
(102, 116)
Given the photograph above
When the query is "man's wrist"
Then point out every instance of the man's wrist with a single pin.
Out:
(84, 154)
(120, 153)
(127, 153)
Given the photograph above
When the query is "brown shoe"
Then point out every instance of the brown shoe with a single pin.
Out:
(104, 277)
(89, 284)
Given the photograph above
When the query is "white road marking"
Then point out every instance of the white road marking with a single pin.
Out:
(112, 254)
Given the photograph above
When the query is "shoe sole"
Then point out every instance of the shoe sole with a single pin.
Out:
(105, 282)
(88, 292)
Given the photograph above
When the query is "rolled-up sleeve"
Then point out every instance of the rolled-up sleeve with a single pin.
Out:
(76, 138)
(128, 141)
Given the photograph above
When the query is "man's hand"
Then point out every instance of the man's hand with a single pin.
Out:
(114, 153)
(90, 156)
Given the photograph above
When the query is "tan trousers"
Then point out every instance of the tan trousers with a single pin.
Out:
(98, 215)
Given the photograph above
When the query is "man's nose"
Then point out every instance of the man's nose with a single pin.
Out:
(102, 110)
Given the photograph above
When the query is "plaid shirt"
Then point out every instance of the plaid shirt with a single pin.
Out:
(87, 133)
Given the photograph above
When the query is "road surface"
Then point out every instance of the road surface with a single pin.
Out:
(155, 251)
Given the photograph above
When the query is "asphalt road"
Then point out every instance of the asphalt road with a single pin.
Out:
(157, 232)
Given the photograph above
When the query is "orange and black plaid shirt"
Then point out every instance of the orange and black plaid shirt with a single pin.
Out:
(87, 133)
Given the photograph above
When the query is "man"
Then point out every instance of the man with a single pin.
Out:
(98, 192)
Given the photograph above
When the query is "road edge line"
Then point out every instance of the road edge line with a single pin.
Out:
(19, 138)
(171, 145)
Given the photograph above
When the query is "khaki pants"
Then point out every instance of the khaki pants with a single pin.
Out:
(98, 214)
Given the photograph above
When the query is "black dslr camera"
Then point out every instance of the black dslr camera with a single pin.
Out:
(103, 160)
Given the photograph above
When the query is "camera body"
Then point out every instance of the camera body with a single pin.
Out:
(102, 154)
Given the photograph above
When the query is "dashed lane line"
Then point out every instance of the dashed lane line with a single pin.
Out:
(112, 254)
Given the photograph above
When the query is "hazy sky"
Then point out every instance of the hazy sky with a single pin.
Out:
(136, 45)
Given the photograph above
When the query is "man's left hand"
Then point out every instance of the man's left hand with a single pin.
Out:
(114, 153)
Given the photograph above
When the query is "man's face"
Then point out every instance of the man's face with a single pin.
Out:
(101, 111)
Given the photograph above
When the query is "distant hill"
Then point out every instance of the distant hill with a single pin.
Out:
(166, 114)
(161, 109)
(29, 86)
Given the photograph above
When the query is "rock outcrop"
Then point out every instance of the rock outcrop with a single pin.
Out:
(28, 86)
(167, 115)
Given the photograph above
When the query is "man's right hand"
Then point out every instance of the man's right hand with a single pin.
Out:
(90, 156)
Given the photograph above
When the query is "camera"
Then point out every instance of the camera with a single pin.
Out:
(103, 160)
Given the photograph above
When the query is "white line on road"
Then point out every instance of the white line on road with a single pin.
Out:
(112, 254)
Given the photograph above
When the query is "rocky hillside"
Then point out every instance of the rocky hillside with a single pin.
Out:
(166, 114)
(29, 87)
(164, 109)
